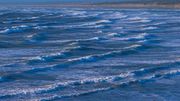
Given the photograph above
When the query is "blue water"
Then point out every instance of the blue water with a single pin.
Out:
(89, 54)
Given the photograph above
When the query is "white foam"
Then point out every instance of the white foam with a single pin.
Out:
(91, 57)
(13, 28)
(133, 46)
(31, 36)
(90, 39)
(108, 79)
(68, 83)
(34, 17)
(116, 15)
(95, 22)
(138, 36)
(173, 71)
(21, 26)
(164, 73)
(81, 58)
(155, 62)
(77, 12)
(118, 28)
(36, 58)
(75, 40)
(149, 28)
(112, 34)
(4, 31)
(138, 19)
(76, 94)
(40, 27)
(61, 53)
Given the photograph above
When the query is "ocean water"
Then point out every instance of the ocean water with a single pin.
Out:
(89, 54)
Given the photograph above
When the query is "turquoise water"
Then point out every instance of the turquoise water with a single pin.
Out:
(89, 54)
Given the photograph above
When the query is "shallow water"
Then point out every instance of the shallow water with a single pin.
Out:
(79, 54)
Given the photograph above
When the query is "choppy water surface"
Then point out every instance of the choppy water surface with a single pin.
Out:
(74, 54)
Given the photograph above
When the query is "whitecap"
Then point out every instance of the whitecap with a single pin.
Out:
(134, 37)
(4, 31)
(109, 79)
(81, 58)
(95, 26)
(116, 15)
(99, 31)
(40, 27)
(133, 46)
(138, 19)
(149, 28)
(21, 26)
(95, 22)
(75, 40)
(31, 36)
(156, 62)
(34, 17)
(165, 73)
(14, 29)
(118, 28)
(77, 12)
(36, 58)
(89, 39)
(61, 53)
(75, 94)
(68, 83)
(113, 34)
(92, 57)
(174, 71)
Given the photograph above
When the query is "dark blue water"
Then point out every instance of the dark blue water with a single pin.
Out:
(86, 54)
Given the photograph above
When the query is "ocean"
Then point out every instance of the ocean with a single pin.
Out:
(89, 54)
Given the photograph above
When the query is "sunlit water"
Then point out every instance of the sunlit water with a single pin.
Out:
(73, 54)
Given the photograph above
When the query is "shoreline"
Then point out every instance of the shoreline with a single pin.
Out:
(102, 5)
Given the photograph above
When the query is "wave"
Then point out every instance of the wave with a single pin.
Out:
(41, 27)
(4, 31)
(75, 12)
(70, 26)
(65, 50)
(15, 29)
(116, 15)
(76, 40)
(52, 56)
(35, 17)
(31, 36)
(113, 34)
(69, 62)
(48, 88)
(95, 57)
(27, 18)
(171, 72)
(134, 37)
(75, 94)
(85, 58)
(159, 23)
(157, 62)
(95, 23)
(108, 79)
(138, 20)
(149, 28)
(115, 85)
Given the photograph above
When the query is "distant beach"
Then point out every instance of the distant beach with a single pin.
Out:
(105, 5)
